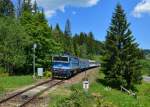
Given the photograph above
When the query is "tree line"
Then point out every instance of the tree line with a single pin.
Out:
(25, 24)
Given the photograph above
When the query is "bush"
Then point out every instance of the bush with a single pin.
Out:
(83, 99)
(76, 99)
(47, 74)
(2, 72)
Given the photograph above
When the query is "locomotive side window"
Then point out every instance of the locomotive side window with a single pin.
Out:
(60, 59)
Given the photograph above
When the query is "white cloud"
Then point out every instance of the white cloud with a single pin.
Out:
(142, 7)
(50, 13)
(51, 6)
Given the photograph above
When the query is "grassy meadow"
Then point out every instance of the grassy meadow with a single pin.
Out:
(8, 83)
(99, 95)
(145, 66)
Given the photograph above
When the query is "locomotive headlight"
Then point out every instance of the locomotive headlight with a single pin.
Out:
(54, 69)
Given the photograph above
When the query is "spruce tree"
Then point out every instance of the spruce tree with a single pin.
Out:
(27, 6)
(120, 63)
(90, 44)
(68, 28)
(68, 47)
(58, 36)
(75, 45)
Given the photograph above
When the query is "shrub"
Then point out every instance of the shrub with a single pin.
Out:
(76, 99)
(83, 99)
(47, 74)
(3, 72)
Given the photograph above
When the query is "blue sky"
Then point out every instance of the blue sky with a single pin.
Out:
(95, 16)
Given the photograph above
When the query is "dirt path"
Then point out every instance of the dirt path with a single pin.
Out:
(82, 75)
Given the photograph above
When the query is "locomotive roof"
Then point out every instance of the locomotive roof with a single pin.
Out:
(64, 56)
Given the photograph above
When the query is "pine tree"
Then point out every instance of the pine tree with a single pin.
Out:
(27, 6)
(76, 45)
(6, 8)
(83, 51)
(90, 44)
(57, 34)
(68, 28)
(82, 38)
(120, 63)
(68, 48)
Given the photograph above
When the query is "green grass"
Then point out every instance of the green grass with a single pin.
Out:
(122, 99)
(145, 66)
(3, 72)
(98, 58)
(110, 97)
(61, 92)
(13, 82)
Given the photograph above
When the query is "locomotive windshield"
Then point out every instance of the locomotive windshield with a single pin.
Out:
(60, 59)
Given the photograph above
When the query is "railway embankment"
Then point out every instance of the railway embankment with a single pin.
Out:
(29, 91)
(98, 95)
(71, 93)
(24, 97)
(11, 84)
(48, 98)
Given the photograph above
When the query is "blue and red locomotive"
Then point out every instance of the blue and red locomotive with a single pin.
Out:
(65, 66)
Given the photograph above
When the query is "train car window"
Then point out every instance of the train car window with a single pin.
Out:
(57, 59)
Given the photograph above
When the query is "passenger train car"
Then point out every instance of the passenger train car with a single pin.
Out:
(66, 66)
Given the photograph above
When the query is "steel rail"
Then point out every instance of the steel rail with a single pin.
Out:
(23, 91)
(36, 95)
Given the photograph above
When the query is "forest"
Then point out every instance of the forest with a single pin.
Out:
(25, 24)
(122, 62)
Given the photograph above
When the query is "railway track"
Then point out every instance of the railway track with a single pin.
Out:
(24, 97)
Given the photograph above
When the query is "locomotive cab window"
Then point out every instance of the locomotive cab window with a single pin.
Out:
(60, 59)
